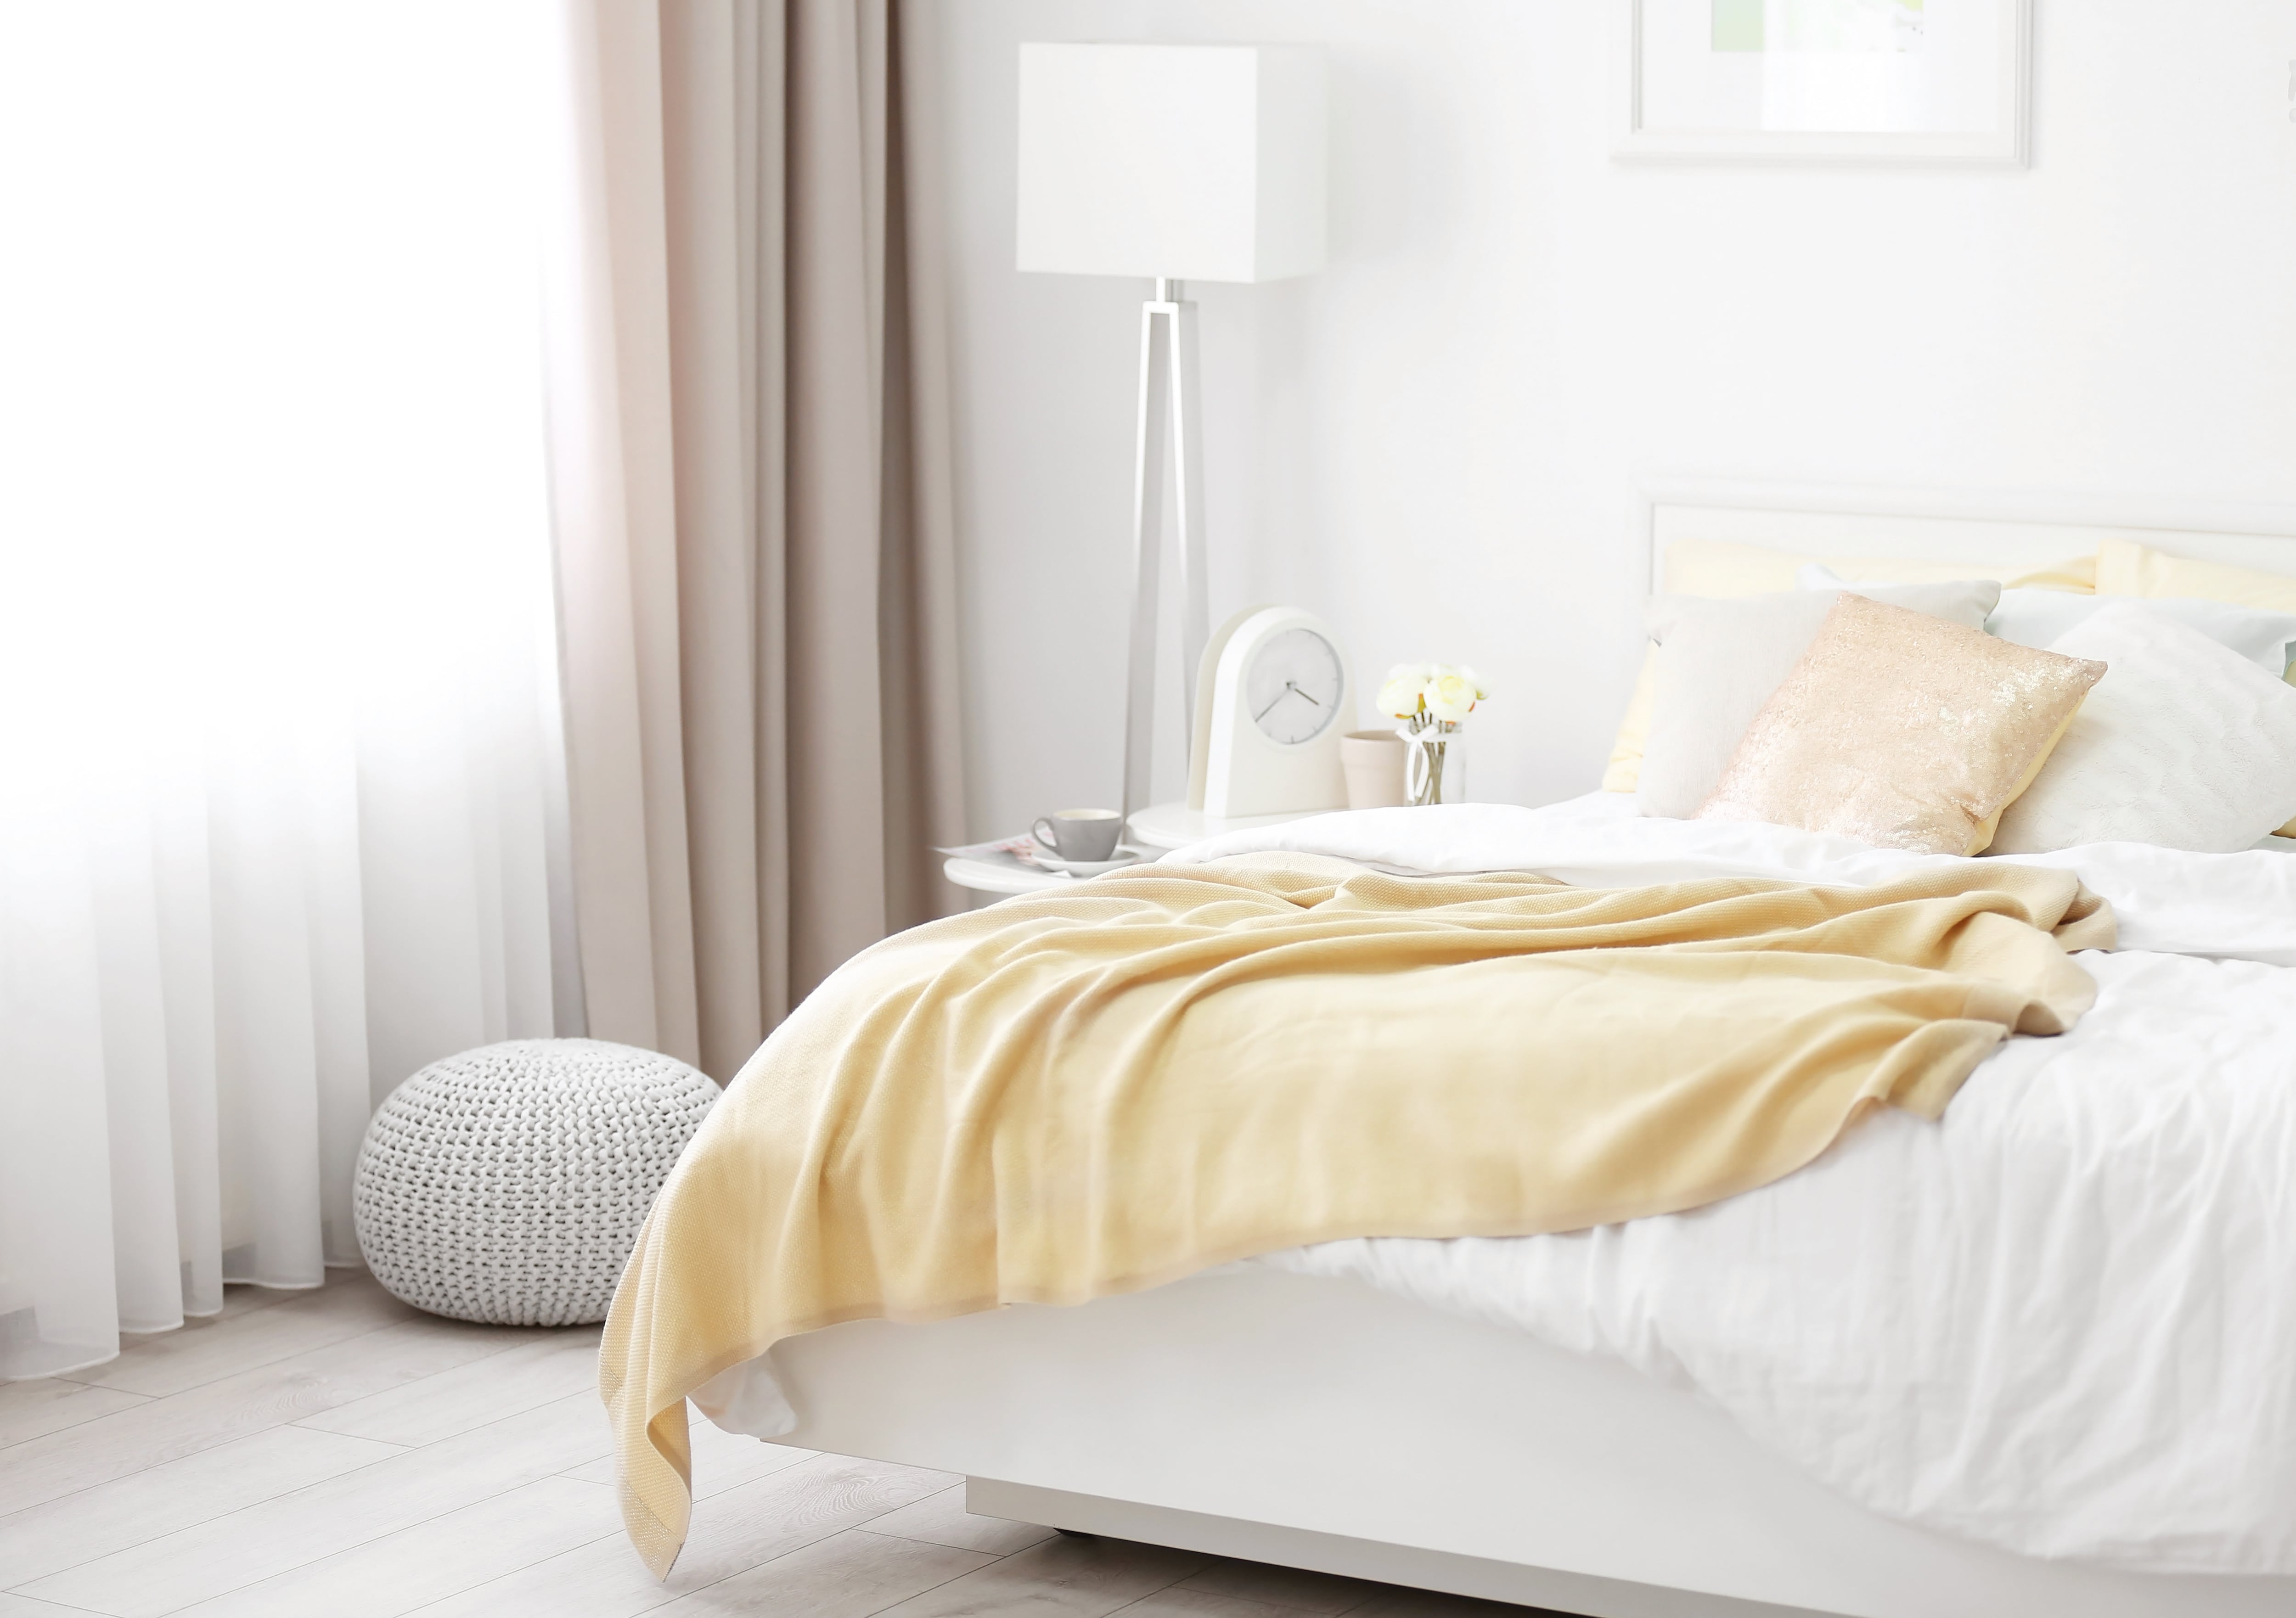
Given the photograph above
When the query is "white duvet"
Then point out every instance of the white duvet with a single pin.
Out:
(2063, 1320)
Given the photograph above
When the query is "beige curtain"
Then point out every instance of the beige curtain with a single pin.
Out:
(750, 453)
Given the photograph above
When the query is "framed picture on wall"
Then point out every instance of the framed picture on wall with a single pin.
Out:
(1826, 81)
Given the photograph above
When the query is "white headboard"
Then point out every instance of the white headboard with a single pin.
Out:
(2005, 530)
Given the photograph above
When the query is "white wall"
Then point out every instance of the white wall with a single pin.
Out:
(1434, 442)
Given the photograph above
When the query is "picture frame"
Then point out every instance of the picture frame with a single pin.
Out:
(1887, 82)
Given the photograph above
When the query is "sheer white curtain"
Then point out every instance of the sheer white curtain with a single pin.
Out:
(277, 677)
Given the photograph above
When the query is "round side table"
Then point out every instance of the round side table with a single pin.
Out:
(1159, 830)
(1166, 826)
(1003, 880)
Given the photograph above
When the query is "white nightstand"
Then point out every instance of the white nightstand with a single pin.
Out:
(1159, 829)
(1165, 826)
(983, 878)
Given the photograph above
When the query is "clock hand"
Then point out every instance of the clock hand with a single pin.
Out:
(1290, 690)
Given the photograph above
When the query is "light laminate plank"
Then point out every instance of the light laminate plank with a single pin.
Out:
(41, 1405)
(1062, 1578)
(24, 1606)
(49, 1404)
(722, 1461)
(847, 1576)
(431, 1560)
(523, 1376)
(207, 1351)
(196, 1564)
(1292, 1587)
(245, 1297)
(63, 1533)
(161, 1430)
(775, 1515)
(604, 1579)
(1179, 1601)
(732, 1532)
(942, 1519)
(1393, 1601)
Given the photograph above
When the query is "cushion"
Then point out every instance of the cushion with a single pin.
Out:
(2184, 743)
(2036, 617)
(2126, 567)
(1725, 569)
(1719, 662)
(1624, 771)
(1902, 731)
(2041, 617)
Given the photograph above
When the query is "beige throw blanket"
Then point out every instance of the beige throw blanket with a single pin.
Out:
(1106, 1087)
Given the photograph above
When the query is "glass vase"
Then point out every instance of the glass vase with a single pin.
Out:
(1423, 767)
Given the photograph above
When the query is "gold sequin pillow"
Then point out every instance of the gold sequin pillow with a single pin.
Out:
(1902, 731)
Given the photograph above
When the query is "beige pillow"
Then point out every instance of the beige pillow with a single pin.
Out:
(2140, 570)
(1719, 662)
(1902, 731)
(1624, 771)
(1726, 569)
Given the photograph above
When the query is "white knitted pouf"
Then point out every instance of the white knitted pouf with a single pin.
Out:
(508, 1184)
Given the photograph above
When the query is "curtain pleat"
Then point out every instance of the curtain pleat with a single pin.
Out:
(922, 729)
(755, 167)
(607, 365)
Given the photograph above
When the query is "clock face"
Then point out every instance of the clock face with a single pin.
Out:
(1291, 687)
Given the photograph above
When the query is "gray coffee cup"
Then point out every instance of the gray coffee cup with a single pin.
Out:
(1084, 836)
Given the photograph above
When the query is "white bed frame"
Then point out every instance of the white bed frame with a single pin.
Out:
(1323, 1425)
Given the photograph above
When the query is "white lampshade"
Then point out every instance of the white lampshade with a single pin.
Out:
(1201, 162)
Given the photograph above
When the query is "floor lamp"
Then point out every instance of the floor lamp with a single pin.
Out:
(1177, 163)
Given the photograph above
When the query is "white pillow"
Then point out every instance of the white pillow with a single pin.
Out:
(2184, 743)
(1719, 662)
(2036, 617)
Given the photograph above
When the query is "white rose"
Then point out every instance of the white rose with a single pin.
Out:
(1483, 686)
(1400, 695)
(1451, 697)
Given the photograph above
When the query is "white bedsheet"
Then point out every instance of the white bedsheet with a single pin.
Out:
(2062, 1321)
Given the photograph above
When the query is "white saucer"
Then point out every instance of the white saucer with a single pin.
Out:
(1087, 868)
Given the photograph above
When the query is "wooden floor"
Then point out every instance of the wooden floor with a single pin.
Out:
(334, 1454)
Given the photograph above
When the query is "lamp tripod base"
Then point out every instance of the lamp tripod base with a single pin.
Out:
(1170, 431)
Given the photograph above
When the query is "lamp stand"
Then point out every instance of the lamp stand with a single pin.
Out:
(1171, 426)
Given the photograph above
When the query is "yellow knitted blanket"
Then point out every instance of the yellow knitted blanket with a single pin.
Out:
(1110, 1086)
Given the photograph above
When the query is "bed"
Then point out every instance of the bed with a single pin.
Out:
(1664, 1418)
